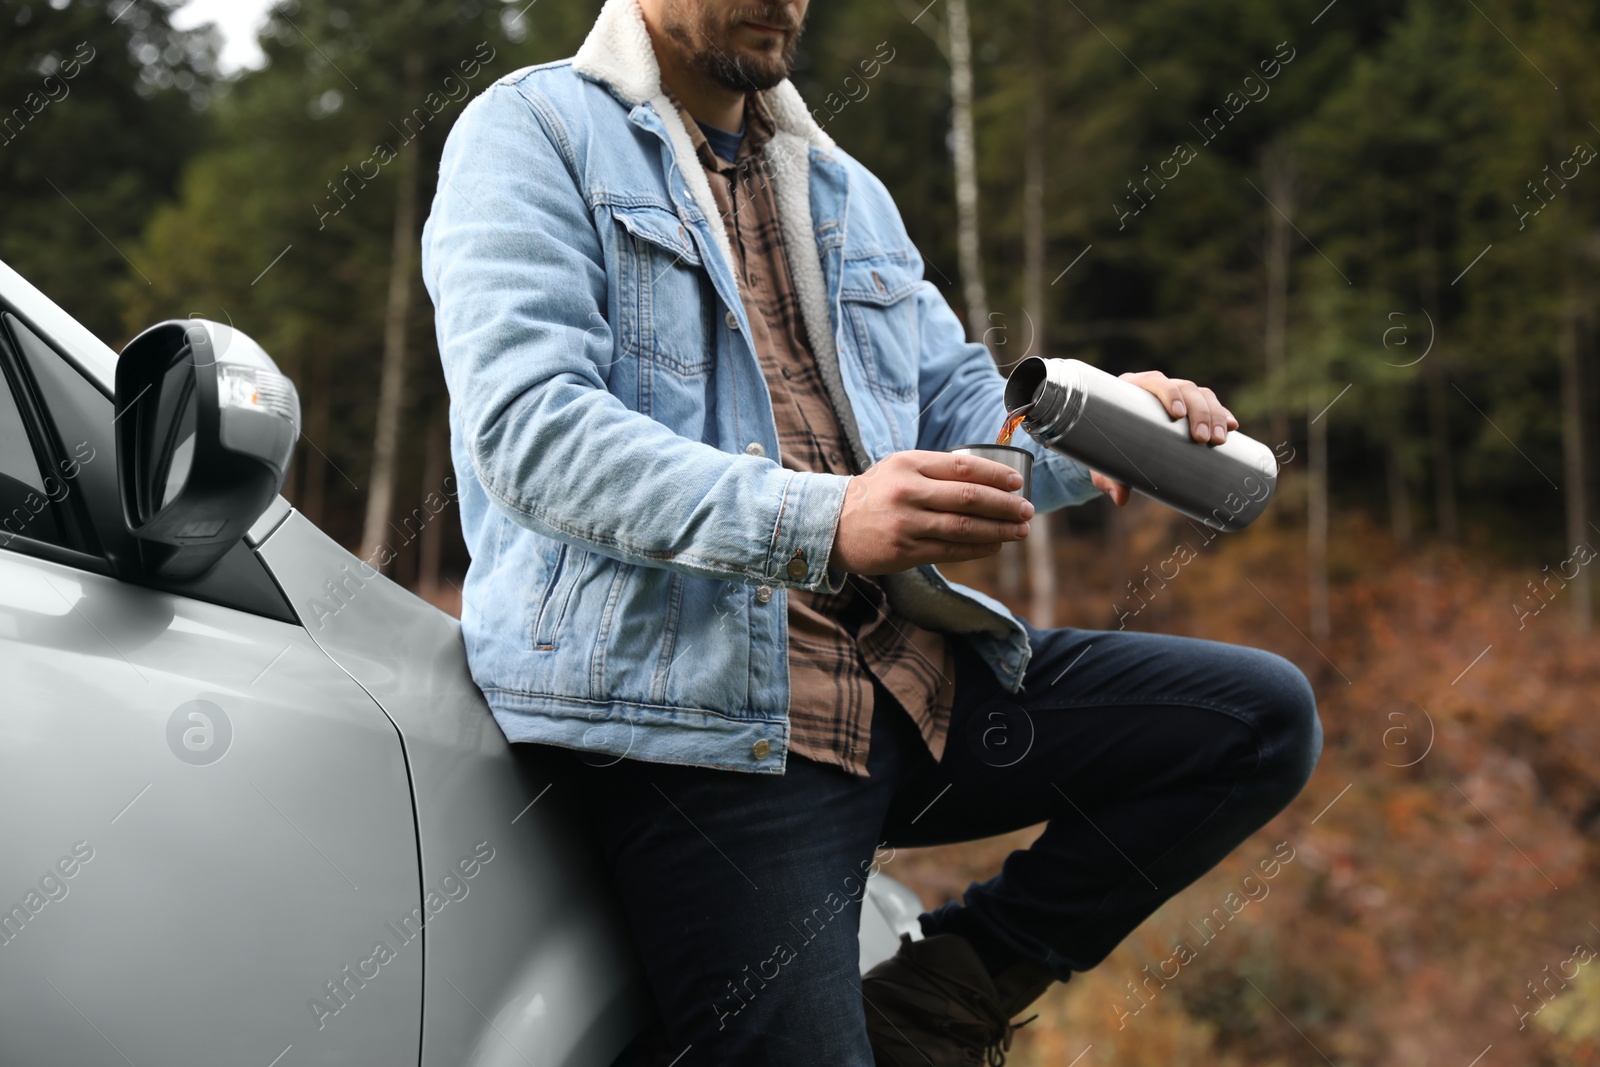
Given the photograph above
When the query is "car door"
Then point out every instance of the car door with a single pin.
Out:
(208, 853)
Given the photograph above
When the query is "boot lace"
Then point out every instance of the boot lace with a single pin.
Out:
(995, 1052)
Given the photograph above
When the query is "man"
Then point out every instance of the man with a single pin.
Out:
(700, 397)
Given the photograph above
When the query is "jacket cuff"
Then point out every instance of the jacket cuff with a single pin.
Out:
(802, 543)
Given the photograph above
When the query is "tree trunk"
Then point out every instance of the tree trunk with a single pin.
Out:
(391, 386)
(1444, 483)
(1041, 551)
(314, 464)
(1399, 490)
(1124, 603)
(965, 153)
(1278, 176)
(435, 457)
(1572, 449)
(1317, 515)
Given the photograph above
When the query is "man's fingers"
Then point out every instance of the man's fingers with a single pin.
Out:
(969, 498)
(1197, 403)
(1217, 416)
(1209, 421)
(1117, 491)
(1168, 390)
(951, 466)
(967, 529)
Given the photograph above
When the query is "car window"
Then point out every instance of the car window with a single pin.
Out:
(27, 495)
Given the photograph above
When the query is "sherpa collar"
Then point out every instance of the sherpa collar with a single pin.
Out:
(618, 53)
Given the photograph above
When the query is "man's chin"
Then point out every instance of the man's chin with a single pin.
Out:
(755, 70)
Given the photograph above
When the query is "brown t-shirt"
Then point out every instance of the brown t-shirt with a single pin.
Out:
(835, 640)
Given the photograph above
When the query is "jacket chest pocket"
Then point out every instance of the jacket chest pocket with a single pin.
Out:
(666, 298)
(878, 304)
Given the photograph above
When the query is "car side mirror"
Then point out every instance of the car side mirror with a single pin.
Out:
(205, 427)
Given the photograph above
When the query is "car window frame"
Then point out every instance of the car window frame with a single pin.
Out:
(81, 549)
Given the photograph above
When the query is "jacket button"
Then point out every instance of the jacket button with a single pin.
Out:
(755, 448)
(762, 748)
(764, 593)
(798, 567)
(732, 320)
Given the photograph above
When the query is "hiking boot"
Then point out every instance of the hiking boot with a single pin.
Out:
(933, 1002)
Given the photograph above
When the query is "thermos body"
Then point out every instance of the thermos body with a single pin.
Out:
(1123, 431)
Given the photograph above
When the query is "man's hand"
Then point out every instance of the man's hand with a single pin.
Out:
(1209, 421)
(916, 507)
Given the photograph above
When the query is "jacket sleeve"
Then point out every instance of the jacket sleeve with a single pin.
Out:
(514, 264)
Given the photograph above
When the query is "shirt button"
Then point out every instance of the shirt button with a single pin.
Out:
(764, 593)
(732, 320)
(762, 748)
(798, 567)
(754, 448)
(787, 373)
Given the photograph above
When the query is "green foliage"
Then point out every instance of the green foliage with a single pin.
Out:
(283, 226)
(101, 107)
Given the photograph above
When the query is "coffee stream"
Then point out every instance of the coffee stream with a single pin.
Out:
(1013, 420)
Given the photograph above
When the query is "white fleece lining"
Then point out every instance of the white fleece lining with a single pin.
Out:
(694, 177)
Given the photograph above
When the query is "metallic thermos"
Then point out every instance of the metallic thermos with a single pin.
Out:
(1123, 431)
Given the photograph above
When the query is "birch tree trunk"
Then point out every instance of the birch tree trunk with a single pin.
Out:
(391, 387)
(1040, 547)
(964, 151)
(1278, 178)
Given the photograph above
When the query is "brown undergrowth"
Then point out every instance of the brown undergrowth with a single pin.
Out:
(1443, 895)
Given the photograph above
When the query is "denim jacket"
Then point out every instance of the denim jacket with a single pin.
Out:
(631, 529)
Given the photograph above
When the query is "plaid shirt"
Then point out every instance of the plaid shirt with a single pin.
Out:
(835, 640)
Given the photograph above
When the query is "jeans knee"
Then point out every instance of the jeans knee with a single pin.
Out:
(1291, 730)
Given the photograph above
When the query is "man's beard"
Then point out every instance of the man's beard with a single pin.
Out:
(704, 39)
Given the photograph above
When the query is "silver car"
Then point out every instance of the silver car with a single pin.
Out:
(255, 810)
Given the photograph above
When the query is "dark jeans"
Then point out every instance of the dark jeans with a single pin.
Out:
(1150, 756)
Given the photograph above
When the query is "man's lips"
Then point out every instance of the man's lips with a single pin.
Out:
(765, 27)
